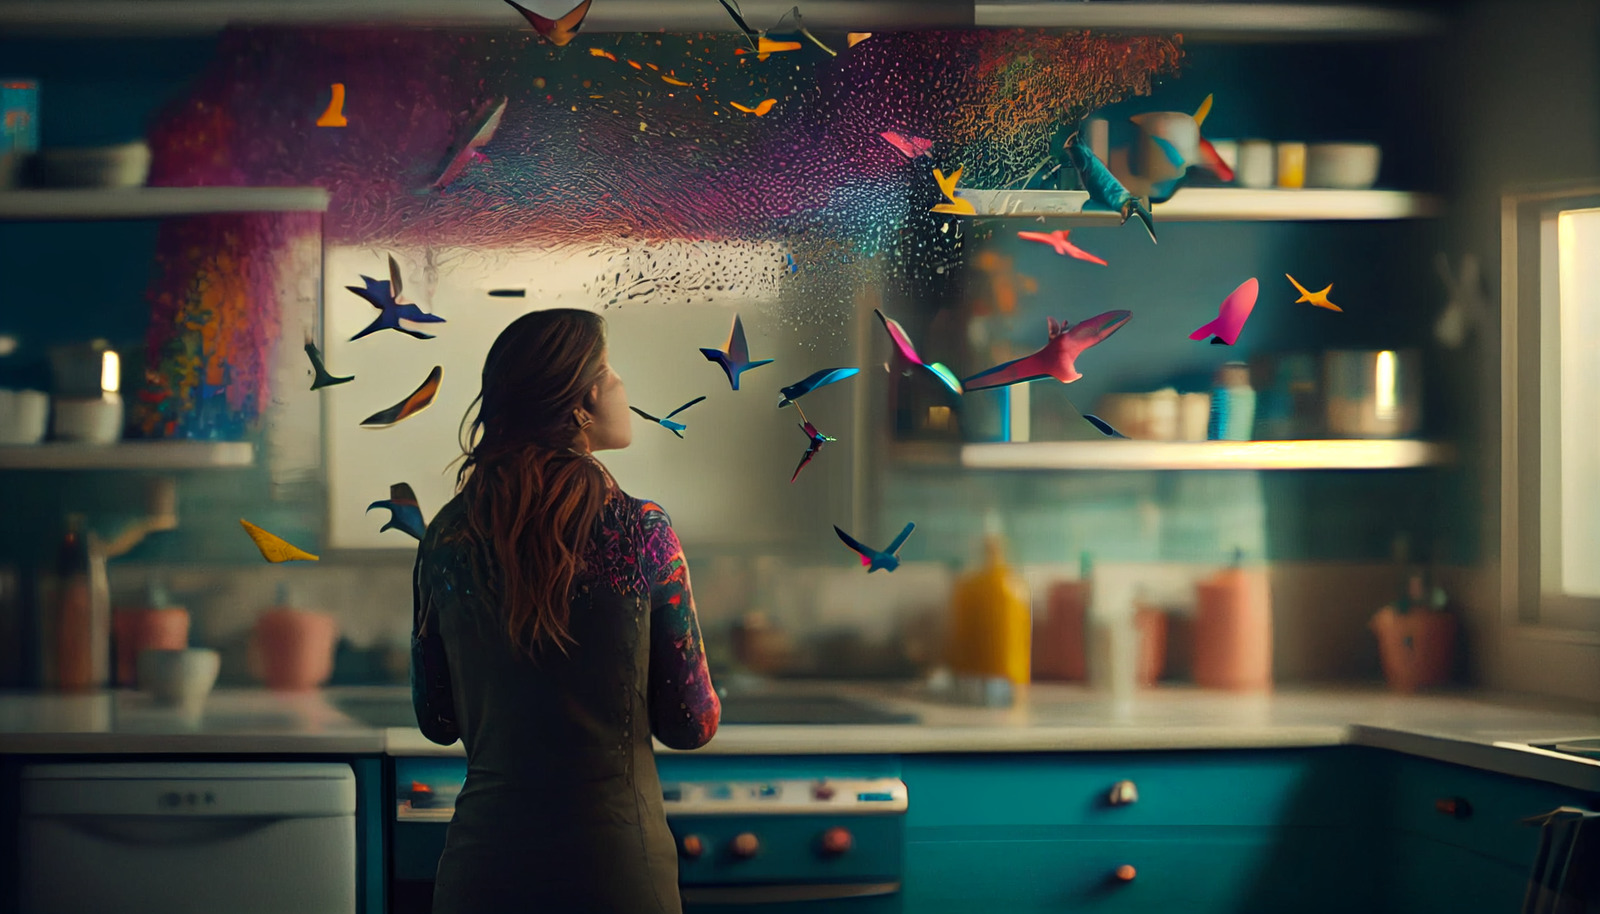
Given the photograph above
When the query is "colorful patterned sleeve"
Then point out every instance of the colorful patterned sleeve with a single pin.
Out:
(431, 696)
(684, 709)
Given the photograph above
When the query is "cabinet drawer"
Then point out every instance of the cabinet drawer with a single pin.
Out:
(1431, 877)
(1256, 871)
(1257, 788)
(1489, 821)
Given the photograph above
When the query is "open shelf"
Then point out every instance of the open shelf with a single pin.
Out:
(1342, 454)
(1213, 20)
(81, 204)
(1216, 204)
(128, 455)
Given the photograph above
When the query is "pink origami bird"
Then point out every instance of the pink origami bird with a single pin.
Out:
(1056, 359)
(482, 128)
(912, 146)
(902, 343)
(1058, 240)
(1231, 316)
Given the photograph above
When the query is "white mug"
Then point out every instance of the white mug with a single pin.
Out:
(24, 416)
(1258, 164)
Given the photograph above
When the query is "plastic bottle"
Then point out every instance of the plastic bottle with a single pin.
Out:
(1233, 404)
(76, 626)
(992, 617)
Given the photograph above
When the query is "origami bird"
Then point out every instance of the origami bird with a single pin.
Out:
(385, 297)
(1235, 310)
(1103, 426)
(763, 45)
(666, 422)
(1318, 299)
(1056, 359)
(735, 359)
(818, 439)
(320, 376)
(482, 130)
(404, 515)
(558, 32)
(886, 560)
(909, 146)
(1058, 240)
(417, 401)
(1106, 193)
(813, 381)
(954, 205)
(273, 548)
(902, 343)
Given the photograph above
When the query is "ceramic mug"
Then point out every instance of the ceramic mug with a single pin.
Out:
(181, 677)
(24, 416)
(1257, 166)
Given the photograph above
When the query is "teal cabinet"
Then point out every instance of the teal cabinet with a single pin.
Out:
(1424, 876)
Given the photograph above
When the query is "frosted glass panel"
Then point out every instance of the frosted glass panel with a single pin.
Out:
(1578, 234)
(725, 483)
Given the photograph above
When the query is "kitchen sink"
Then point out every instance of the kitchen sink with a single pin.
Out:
(394, 710)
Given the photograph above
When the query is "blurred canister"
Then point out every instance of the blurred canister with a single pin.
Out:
(1194, 416)
(13, 629)
(1060, 632)
(75, 617)
(158, 626)
(1233, 629)
(1161, 407)
(1291, 165)
(1258, 166)
(1372, 394)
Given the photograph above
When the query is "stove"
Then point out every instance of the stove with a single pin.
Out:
(788, 834)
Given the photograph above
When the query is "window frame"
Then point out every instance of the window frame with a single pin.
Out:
(1527, 276)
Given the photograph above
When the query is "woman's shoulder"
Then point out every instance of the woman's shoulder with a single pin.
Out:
(647, 509)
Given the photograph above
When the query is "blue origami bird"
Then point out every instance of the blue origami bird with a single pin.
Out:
(872, 558)
(735, 360)
(666, 421)
(817, 379)
(384, 295)
(404, 515)
(1106, 193)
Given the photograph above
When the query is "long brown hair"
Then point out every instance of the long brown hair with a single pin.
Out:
(532, 498)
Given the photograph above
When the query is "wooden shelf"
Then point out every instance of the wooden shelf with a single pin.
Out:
(128, 455)
(1342, 454)
(1214, 20)
(1215, 204)
(88, 204)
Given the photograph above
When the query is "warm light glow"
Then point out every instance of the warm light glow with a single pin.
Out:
(1383, 386)
(110, 371)
(938, 417)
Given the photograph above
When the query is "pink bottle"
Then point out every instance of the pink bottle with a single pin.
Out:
(1233, 630)
(1059, 635)
(291, 650)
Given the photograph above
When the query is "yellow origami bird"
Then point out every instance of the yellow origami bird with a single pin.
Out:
(1318, 299)
(273, 548)
(947, 186)
(855, 38)
(766, 46)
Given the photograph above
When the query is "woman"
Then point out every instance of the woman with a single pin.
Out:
(553, 633)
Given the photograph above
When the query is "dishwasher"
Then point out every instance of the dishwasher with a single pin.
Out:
(180, 837)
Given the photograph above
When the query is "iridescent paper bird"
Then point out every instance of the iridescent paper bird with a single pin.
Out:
(735, 359)
(887, 560)
(320, 376)
(1317, 299)
(385, 295)
(274, 548)
(909, 146)
(404, 514)
(1235, 310)
(560, 31)
(954, 205)
(902, 344)
(813, 381)
(1058, 357)
(666, 422)
(1105, 191)
(817, 440)
(479, 131)
(419, 400)
(1058, 240)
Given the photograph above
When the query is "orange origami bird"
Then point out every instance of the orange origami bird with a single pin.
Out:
(759, 110)
(947, 186)
(1317, 299)
(560, 31)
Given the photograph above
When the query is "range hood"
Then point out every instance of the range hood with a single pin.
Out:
(1225, 21)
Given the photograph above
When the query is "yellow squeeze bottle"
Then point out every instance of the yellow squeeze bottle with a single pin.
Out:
(992, 625)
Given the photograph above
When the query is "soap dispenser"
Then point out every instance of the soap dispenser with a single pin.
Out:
(992, 623)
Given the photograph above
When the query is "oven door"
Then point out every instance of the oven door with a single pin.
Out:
(783, 863)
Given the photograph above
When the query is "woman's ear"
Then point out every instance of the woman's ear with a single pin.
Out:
(591, 400)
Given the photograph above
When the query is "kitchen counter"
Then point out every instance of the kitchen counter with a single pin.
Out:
(1481, 730)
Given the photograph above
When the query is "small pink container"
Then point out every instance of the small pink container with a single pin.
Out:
(1418, 648)
(291, 650)
(1233, 632)
(1058, 637)
(147, 629)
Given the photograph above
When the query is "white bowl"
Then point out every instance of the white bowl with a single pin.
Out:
(24, 416)
(178, 677)
(93, 420)
(127, 165)
(1346, 166)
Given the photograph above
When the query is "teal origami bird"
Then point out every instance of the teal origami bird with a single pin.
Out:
(404, 514)
(887, 560)
(1106, 193)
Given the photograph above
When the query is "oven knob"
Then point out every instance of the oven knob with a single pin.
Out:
(692, 846)
(836, 841)
(822, 792)
(744, 845)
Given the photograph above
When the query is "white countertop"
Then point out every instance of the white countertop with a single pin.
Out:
(1477, 729)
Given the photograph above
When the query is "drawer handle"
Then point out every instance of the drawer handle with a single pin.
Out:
(1125, 873)
(1123, 793)
(1453, 806)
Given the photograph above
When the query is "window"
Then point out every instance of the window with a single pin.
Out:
(1551, 416)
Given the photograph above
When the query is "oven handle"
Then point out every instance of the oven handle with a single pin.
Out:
(776, 894)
